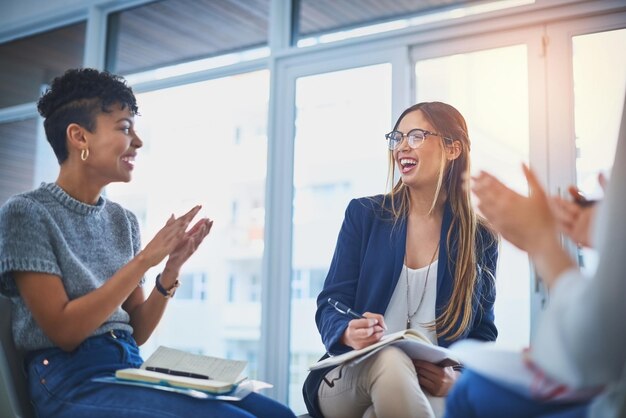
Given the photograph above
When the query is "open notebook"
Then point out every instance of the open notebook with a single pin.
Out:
(411, 341)
(176, 368)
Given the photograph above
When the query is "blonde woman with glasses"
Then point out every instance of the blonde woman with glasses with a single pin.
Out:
(417, 257)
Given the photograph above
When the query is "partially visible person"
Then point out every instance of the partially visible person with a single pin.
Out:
(418, 258)
(71, 262)
(581, 338)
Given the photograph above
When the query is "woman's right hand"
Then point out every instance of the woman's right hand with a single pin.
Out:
(168, 238)
(363, 332)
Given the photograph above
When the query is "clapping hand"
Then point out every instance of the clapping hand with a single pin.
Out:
(524, 221)
(174, 240)
(575, 219)
(188, 245)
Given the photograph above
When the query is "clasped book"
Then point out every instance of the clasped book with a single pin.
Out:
(176, 368)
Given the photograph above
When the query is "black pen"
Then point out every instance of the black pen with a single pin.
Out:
(344, 309)
(581, 200)
(177, 373)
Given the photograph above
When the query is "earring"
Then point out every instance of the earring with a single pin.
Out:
(84, 154)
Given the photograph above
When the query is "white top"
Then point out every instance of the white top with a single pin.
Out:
(396, 313)
(581, 339)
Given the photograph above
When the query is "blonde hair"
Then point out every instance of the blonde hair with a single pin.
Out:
(450, 124)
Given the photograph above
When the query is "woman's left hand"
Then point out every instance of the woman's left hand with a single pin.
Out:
(434, 379)
(527, 222)
(188, 245)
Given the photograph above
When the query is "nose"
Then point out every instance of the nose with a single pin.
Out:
(137, 142)
(404, 144)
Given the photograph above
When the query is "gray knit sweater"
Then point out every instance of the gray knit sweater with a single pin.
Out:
(48, 231)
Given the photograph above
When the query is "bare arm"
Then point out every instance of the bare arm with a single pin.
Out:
(68, 322)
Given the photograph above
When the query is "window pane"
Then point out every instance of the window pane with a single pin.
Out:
(340, 154)
(175, 31)
(599, 78)
(27, 64)
(205, 145)
(332, 20)
(18, 142)
(498, 128)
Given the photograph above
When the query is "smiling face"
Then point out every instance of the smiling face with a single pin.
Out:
(419, 167)
(112, 146)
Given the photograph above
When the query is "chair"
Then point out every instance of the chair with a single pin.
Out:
(14, 400)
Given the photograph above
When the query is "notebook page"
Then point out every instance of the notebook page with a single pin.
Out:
(216, 368)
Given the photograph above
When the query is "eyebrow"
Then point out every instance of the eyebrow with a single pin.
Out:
(130, 121)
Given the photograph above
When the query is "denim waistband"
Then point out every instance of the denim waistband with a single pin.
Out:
(114, 334)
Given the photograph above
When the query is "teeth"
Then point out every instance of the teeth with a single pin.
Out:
(128, 159)
(406, 161)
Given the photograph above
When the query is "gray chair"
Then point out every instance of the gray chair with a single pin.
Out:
(14, 400)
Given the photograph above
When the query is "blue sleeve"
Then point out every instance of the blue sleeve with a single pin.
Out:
(342, 279)
(483, 326)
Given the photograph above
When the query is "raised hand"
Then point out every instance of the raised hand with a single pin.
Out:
(524, 221)
(188, 245)
(168, 238)
(574, 220)
(527, 222)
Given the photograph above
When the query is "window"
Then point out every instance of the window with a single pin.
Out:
(340, 153)
(153, 35)
(195, 286)
(17, 157)
(599, 77)
(28, 64)
(188, 158)
(320, 21)
(499, 133)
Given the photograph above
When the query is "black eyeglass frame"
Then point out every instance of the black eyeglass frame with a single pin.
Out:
(424, 134)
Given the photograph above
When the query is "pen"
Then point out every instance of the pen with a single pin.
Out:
(584, 203)
(344, 309)
(177, 373)
(581, 200)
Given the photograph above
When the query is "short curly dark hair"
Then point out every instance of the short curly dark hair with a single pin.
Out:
(77, 97)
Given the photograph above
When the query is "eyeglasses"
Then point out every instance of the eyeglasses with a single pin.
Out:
(415, 138)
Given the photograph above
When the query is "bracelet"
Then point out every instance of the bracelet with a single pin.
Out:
(168, 293)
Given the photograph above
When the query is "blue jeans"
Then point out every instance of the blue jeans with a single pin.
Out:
(474, 396)
(60, 386)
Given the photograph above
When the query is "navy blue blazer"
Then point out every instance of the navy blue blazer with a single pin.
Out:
(366, 266)
(368, 261)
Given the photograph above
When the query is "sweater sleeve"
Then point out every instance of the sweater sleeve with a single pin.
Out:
(25, 242)
(581, 339)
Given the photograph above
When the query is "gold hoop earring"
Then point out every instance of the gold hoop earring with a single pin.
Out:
(84, 154)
